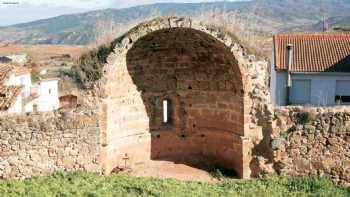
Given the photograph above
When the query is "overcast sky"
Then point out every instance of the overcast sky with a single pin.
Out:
(19, 11)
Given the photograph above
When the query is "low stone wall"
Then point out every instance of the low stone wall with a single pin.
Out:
(39, 144)
(312, 141)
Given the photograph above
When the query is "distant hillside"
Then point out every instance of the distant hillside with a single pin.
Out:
(263, 16)
(81, 28)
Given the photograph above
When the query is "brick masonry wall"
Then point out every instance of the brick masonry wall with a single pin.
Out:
(205, 92)
(215, 90)
(312, 141)
(39, 144)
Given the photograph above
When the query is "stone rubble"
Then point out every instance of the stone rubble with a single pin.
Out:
(312, 141)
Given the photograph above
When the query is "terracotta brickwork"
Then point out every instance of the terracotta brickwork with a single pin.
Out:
(206, 79)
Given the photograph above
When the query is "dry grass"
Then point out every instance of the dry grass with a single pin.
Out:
(40, 52)
(246, 33)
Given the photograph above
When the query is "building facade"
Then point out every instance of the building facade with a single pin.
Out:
(48, 95)
(20, 95)
(311, 69)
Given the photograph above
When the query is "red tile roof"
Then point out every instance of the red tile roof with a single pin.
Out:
(5, 69)
(20, 70)
(314, 52)
(8, 95)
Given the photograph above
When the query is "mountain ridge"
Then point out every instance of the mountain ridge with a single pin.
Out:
(267, 16)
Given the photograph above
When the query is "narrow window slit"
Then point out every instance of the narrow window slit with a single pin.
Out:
(166, 111)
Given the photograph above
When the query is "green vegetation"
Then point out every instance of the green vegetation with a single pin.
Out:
(222, 173)
(89, 68)
(289, 131)
(89, 184)
(90, 64)
(304, 117)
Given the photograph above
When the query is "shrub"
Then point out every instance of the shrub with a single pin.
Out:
(303, 117)
(90, 65)
(221, 173)
(35, 74)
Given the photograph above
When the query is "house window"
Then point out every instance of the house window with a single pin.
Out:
(49, 91)
(166, 111)
(342, 100)
(22, 81)
(342, 92)
(300, 91)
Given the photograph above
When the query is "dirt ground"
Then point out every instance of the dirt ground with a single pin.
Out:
(168, 169)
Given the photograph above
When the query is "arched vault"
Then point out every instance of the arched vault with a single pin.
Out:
(181, 91)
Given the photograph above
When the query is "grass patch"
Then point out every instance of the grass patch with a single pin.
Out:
(222, 173)
(93, 185)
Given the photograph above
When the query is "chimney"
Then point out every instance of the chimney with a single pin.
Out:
(289, 62)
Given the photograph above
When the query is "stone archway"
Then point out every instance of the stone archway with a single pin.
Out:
(202, 73)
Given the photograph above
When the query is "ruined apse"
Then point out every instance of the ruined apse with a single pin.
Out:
(178, 91)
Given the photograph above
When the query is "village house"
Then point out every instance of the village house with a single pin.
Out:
(18, 94)
(19, 59)
(311, 69)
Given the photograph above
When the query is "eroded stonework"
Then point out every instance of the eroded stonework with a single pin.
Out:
(219, 114)
(214, 88)
(40, 144)
(312, 141)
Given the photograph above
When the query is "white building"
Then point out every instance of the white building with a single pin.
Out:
(48, 99)
(18, 94)
(20, 59)
(311, 69)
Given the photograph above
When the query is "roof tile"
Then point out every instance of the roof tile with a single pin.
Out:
(314, 52)
(5, 69)
(8, 95)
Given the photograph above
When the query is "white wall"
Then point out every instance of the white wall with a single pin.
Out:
(323, 87)
(24, 80)
(47, 90)
(20, 59)
(21, 80)
(17, 106)
(273, 76)
(279, 81)
(48, 96)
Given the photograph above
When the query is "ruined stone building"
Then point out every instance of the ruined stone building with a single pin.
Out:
(177, 90)
(180, 91)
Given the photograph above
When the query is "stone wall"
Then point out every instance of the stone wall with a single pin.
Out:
(39, 144)
(312, 141)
